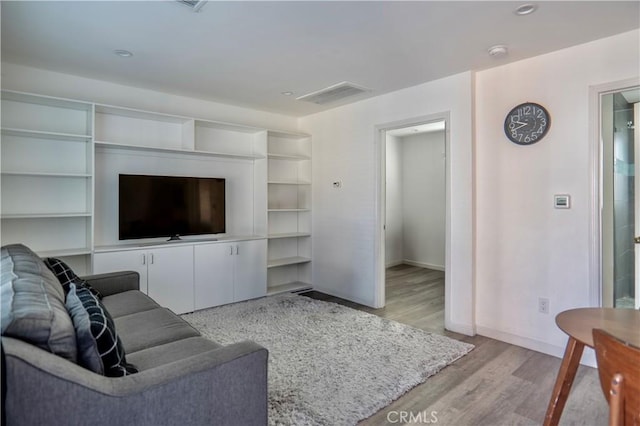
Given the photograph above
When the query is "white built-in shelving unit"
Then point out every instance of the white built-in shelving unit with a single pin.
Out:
(60, 164)
(289, 211)
(47, 176)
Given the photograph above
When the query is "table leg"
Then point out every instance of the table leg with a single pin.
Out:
(566, 374)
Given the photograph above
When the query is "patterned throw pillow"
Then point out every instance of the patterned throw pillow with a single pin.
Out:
(99, 347)
(66, 276)
(88, 353)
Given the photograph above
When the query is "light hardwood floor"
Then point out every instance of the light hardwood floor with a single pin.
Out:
(495, 384)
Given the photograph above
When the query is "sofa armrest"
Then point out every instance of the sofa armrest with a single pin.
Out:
(114, 282)
(224, 386)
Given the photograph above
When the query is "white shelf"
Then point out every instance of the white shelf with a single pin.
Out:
(44, 174)
(81, 251)
(115, 145)
(140, 114)
(218, 125)
(289, 224)
(288, 157)
(30, 98)
(295, 286)
(287, 182)
(274, 263)
(43, 215)
(46, 117)
(47, 163)
(289, 235)
(37, 134)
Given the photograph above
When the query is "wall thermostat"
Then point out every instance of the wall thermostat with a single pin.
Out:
(562, 201)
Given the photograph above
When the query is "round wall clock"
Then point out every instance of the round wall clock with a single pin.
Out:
(527, 123)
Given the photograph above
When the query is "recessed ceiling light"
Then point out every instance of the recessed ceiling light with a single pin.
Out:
(287, 93)
(498, 51)
(123, 53)
(526, 9)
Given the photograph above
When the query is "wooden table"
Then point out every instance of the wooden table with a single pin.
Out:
(579, 324)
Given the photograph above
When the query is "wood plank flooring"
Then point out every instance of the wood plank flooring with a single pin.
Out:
(495, 384)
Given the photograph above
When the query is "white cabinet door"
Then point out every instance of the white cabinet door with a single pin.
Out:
(170, 279)
(127, 260)
(213, 275)
(250, 269)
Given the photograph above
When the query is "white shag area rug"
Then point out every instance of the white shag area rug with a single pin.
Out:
(329, 364)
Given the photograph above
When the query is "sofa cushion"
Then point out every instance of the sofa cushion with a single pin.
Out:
(128, 302)
(66, 276)
(152, 328)
(101, 338)
(171, 352)
(32, 303)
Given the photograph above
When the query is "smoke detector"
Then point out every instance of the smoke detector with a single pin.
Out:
(498, 51)
(333, 93)
(195, 5)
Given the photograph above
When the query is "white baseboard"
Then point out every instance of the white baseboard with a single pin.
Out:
(343, 296)
(588, 357)
(466, 329)
(394, 263)
(424, 265)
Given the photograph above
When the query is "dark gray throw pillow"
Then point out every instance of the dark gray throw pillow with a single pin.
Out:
(66, 276)
(99, 347)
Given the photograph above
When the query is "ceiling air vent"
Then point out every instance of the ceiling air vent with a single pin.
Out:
(195, 5)
(333, 93)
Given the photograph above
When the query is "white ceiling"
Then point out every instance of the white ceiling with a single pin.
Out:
(248, 53)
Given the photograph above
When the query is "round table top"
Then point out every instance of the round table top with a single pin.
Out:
(621, 323)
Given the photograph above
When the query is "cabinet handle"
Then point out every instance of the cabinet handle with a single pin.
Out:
(151, 258)
(230, 250)
(144, 259)
(237, 250)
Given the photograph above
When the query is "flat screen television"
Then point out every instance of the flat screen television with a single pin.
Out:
(170, 206)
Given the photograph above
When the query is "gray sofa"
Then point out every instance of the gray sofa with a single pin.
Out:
(183, 378)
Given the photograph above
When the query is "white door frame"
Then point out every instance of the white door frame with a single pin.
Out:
(380, 201)
(596, 178)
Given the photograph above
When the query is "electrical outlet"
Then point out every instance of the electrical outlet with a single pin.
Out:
(543, 305)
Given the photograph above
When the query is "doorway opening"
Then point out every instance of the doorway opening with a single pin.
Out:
(620, 221)
(415, 221)
(414, 199)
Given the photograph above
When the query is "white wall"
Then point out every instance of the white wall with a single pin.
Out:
(423, 198)
(43, 82)
(415, 200)
(394, 254)
(525, 248)
(344, 220)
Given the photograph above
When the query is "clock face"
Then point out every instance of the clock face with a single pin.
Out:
(527, 123)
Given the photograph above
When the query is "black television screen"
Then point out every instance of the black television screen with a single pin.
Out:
(169, 206)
